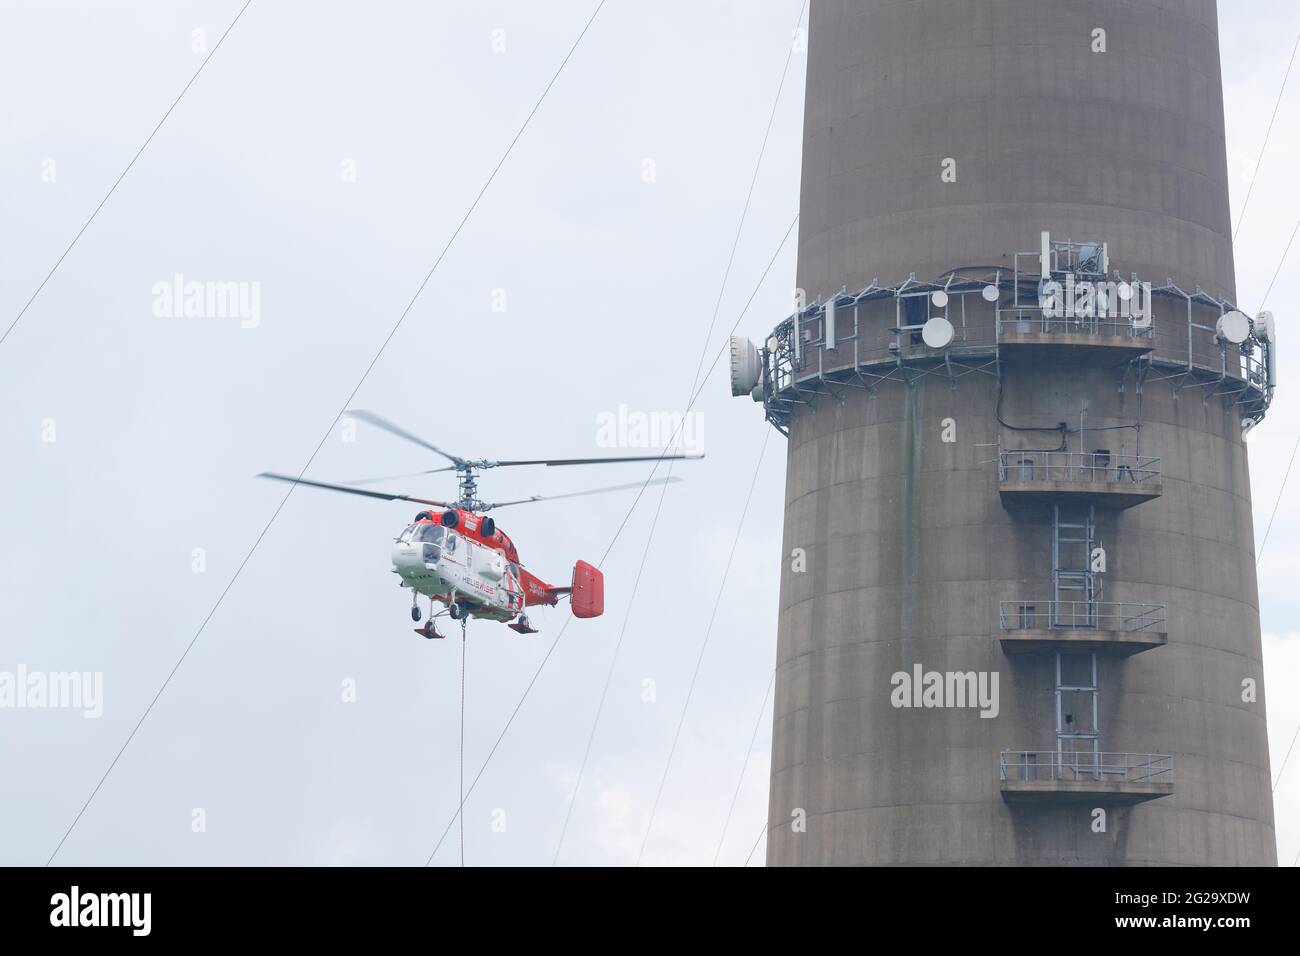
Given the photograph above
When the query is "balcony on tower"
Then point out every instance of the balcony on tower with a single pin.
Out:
(1031, 332)
(1095, 477)
(1108, 628)
(1070, 308)
(1049, 776)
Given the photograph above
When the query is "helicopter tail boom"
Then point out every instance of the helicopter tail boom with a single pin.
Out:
(587, 592)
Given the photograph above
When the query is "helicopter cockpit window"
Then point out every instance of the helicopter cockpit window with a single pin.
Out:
(429, 532)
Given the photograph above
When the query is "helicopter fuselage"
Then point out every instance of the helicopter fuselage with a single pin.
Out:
(459, 557)
(449, 558)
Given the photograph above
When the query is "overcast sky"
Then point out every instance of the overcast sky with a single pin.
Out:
(324, 157)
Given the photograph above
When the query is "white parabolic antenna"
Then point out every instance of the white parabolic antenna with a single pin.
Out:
(940, 299)
(1233, 326)
(990, 293)
(937, 333)
(746, 372)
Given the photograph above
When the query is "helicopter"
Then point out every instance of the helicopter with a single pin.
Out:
(457, 556)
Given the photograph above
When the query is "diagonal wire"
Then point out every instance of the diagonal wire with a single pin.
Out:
(1285, 759)
(1263, 302)
(1276, 504)
(1280, 264)
(501, 736)
(617, 533)
(761, 833)
(365, 375)
(762, 709)
(118, 181)
(708, 631)
(609, 676)
(717, 305)
(709, 371)
(749, 195)
(1285, 476)
(1269, 527)
(1250, 189)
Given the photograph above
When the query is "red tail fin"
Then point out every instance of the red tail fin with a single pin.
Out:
(588, 591)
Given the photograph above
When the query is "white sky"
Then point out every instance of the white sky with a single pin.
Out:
(610, 281)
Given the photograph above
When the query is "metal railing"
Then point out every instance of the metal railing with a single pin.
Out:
(1080, 615)
(879, 339)
(1024, 320)
(1039, 765)
(1017, 465)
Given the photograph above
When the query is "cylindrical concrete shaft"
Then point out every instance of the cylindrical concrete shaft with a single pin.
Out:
(1041, 133)
(906, 546)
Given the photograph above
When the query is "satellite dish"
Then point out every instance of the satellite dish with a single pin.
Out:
(745, 368)
(937, 333)
(990, 293)
(1124, 291)
(940, 299)
(1233, 327)
(772, 344)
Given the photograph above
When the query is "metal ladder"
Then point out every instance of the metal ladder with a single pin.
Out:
(1076, 712)
(1075, 588)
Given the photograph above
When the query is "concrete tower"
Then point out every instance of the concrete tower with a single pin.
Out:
(1018, 617)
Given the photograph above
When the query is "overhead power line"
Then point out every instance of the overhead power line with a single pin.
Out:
(708, 336)
(117, 182)
(346, 404)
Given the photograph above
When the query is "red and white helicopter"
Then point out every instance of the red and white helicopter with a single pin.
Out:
(457, 555)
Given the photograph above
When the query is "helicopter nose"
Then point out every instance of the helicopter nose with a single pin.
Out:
(414, 556)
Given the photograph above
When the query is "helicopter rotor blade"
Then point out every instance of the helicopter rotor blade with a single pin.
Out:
(412, 474)
(580, 494)
(384, 495)
(599, 461)
(386, 425)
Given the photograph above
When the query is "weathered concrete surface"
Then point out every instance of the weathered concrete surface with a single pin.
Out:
(1126, 145)
(908, 545)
